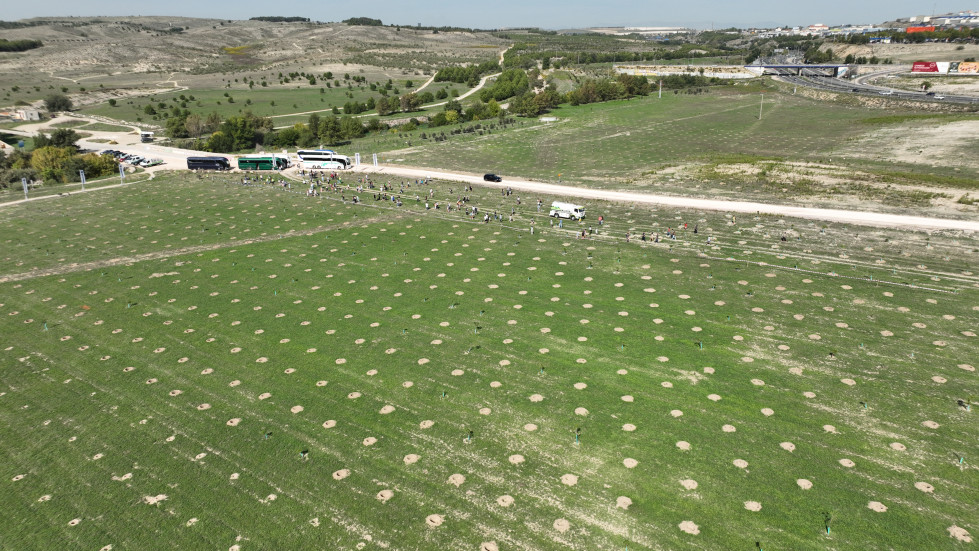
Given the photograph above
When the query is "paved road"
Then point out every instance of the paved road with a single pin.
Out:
(860, 86)
(875, 219)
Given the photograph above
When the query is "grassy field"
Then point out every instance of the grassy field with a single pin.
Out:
(266, 102)
(622, 138)
(167, 360)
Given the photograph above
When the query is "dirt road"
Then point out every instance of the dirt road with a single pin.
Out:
(830, 215)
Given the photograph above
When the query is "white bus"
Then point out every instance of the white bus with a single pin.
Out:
(324, 159)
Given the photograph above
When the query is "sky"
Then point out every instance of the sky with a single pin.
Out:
(547, 14)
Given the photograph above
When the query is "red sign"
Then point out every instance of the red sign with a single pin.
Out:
(929, 29)
(924, 67)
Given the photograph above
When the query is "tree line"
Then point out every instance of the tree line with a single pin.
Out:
(54, 159)
(280, 19)
(19, 45)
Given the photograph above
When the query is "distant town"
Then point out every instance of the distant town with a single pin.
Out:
(910, 25)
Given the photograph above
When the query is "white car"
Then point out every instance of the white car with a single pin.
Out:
(887, 92)
(939, 96)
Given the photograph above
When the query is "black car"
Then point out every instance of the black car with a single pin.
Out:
(492, 178)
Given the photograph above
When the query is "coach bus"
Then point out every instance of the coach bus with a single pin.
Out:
(267, 162)
(208, 163)
(323, 159)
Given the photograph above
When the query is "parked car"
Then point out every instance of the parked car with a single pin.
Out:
(492, 178)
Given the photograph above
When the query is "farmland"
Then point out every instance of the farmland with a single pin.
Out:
(171, 349)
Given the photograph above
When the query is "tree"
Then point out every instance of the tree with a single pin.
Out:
(52, 163)
(330, 132)
(384, 106)
(194, 125)
(410, 102)
(351, 128)
(57, 102)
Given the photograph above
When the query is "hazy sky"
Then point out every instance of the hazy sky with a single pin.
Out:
(549, 14)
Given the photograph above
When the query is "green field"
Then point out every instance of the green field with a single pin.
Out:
(273, 101)
(155, 334)
(624, 138)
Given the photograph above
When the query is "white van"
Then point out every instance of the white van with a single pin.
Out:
(567, 210)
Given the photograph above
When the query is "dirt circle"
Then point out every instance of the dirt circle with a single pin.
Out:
(456, 480)
(830, 428)
(411, 458)
(341, 474)
(628, 427)
(847, 462)
(329, 424)
(930, 424)
(296, 409)
(386, 410)
(758, 382)
(630, 463)
(787, 446)
(504, 501)
(924, 487)
(561, 525)
(729, 428)
(676, 413)
(569, 479)
(384, 495)
(434, 520)
(714, 397)
(623, 502)
(804, 484)
(960, 534)
(536, 398)
(877, 507)
(580, 386)
(898, 446)
(516, 459)
(689, 484)
(496, 384)
(234, 422)
(426, 424)
(683, 445)
(752, 505)
(740, 463)
(581, 411)
(689, 527)
(489, 546)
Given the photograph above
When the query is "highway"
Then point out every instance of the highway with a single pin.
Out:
(860, 86)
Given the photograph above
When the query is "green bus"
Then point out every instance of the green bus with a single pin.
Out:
(263, 163)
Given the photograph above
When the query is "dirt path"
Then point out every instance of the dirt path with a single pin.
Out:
(862, 218)
(122, 260)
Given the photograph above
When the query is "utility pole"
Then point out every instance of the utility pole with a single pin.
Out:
(761, 107)
(660, 89)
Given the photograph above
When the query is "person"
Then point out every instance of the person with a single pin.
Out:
(601, 220)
